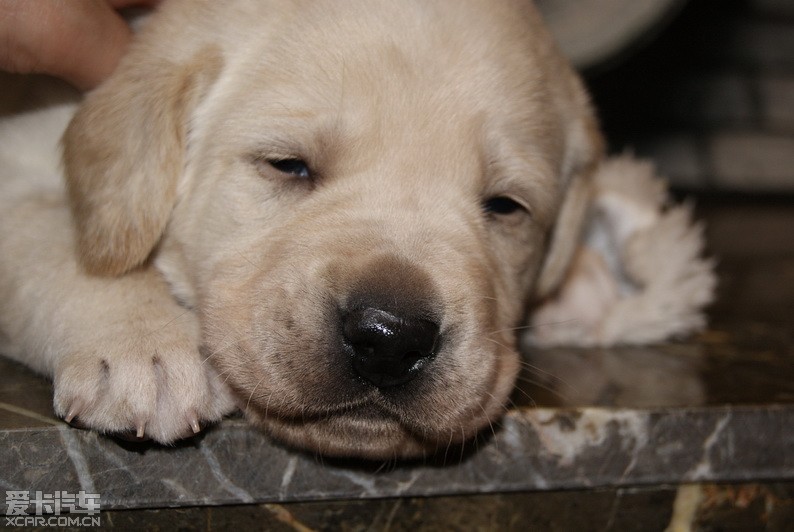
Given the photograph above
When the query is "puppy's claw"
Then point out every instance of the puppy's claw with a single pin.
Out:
(73, 413)
(75, 423)
(139, 432)
(130, 437)
(194, 426)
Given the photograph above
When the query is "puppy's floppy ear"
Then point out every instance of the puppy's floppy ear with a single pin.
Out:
(124, 153)
(566, 235)
(584, 151)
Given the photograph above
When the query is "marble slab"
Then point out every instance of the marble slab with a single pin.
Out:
(538, 449)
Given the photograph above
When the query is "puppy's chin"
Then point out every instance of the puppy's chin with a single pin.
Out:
(363, 433)
(375, 427)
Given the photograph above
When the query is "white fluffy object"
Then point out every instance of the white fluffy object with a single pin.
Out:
(639, 275)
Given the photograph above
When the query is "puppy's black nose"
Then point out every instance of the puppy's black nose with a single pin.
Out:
(388, 349)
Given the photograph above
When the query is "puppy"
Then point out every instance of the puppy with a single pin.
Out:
(330, 214)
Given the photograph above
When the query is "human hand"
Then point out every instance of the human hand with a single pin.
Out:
(80, 41)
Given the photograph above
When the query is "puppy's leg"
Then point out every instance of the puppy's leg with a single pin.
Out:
(123, 355)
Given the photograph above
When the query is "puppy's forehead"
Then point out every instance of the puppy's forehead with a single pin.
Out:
(418, 59)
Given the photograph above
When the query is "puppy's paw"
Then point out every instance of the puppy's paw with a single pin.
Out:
(153, 386)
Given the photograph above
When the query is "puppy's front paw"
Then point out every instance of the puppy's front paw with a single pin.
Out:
(153, 385)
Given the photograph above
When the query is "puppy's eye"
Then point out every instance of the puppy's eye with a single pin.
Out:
(502, 205)
(295, 167)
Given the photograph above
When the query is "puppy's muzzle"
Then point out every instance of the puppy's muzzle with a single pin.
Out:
(388, 349)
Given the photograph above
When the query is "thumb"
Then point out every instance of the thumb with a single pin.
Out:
(79, 41)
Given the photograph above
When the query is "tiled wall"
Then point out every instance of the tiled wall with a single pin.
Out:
(711, 98)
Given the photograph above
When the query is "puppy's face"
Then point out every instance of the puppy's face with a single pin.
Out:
(362, 200)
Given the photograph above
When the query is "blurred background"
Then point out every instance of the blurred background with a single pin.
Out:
(704, 87)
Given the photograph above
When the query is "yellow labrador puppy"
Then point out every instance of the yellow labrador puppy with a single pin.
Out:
(329, 213)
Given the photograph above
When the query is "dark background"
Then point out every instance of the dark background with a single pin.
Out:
(710, 98)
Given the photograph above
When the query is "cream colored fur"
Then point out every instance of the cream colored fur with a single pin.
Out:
(180, 273)
(113, 345)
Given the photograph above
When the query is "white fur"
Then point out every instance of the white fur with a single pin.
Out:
(640, 275)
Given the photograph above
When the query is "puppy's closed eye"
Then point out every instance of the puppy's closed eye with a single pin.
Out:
(292, 166)
(500, 206)
(284, 169)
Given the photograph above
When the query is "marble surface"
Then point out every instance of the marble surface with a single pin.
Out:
(718, 408)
